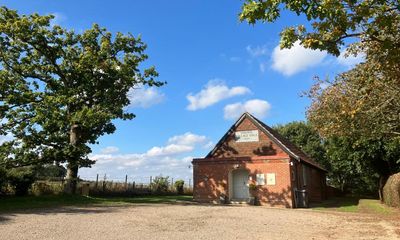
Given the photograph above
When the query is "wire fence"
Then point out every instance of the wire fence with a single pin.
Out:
(105, 186)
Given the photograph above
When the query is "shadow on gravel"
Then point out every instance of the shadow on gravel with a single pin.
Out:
(4, 219)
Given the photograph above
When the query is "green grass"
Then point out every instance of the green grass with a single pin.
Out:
(36, 202)
(345, 204)
(353, 204)
(373, 206)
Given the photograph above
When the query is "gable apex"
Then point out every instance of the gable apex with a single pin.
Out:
(275, 137)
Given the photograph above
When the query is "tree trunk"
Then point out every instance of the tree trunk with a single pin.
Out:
(382, 182)
(72, 177)
(72, 166)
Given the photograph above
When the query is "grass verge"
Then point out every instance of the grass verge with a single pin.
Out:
(353, 204)
(36, 202)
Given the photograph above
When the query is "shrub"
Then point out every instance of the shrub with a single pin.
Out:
(160, 184)
(3, 180)
(47, 188)
(179, 186)
(21, 179)
(51, 171)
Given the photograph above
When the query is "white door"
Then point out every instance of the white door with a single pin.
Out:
(240, 184)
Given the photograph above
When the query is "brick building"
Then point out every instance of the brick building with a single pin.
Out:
(252, 161)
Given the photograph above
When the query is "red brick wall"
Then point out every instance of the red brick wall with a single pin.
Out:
(212, 175)
(211, 180)
(265, 147)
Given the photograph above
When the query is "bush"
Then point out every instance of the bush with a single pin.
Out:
(21, 179)
(40, 188)
(179, 186)
(160, 184)
(51, 171)
(3, 180)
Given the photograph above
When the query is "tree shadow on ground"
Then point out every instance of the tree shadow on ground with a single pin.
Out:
(337, 202)
(80, 204)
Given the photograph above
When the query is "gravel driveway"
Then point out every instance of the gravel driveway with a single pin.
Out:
(162, 221)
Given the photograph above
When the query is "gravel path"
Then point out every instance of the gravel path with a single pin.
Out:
(191, 222)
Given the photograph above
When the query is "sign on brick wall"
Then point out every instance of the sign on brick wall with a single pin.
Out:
(246, 136)
(260, 179)
(270, 178)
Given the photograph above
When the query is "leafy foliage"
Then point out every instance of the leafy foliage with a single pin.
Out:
(3, 179)
(160, 184)
(353, 165)
(303, 135)
(60, 91)
(331, 21)
(179, 184)
(21, 179)
(359, 111)
(51, 171)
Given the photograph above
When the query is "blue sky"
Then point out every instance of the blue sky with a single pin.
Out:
(215, 66)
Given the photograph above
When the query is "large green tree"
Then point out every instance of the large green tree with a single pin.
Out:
(354, 165)
(303, 135)
(365, 100)
(332, 21)
(361, 104)
(60, 90)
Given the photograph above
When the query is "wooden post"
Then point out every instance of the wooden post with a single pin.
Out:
(97, 181)
(126, 182)
(151, 180)
(104, 182)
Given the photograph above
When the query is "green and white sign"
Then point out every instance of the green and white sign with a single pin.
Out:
(246, 136)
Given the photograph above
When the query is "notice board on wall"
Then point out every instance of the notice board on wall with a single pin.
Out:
(271, 179)
(260, 179)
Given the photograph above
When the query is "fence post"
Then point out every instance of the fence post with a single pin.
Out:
(97, 181)
(104, 182)
(126, 182)
(151, 180)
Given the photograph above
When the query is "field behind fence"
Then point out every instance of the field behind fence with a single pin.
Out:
(104, 186)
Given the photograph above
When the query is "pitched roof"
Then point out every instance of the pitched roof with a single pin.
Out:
(289, 147)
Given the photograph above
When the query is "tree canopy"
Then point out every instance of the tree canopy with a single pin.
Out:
(332, 22)
(60, 90)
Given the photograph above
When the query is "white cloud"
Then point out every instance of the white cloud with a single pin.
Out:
(169, 150)
(295, 59)
(257, 51)
(350, 60)
(172, 159)
(213, 92)
(257, 107)
(145, 97)
(187, 139)
(109, 150)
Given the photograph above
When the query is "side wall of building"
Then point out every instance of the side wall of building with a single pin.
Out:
(311, 179)
(212, 181)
